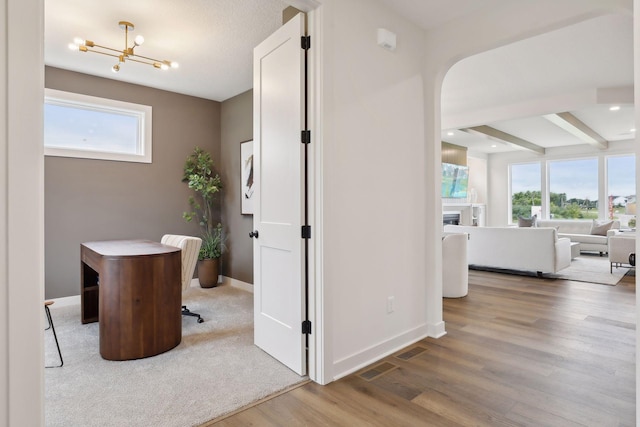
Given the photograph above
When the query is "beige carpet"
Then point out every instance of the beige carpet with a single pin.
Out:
(216, 369)
(592, 269)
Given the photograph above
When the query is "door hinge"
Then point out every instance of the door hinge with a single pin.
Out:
(306, 327)
(306, 231)
(306, 42)
(306, 136)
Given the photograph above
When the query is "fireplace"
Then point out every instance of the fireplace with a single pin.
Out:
(452, 218)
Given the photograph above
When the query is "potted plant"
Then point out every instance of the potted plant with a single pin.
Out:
(209, 257)
(202, 179)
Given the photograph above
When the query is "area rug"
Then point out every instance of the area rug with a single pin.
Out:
(215, 370)
(592, 269)
(585, 268)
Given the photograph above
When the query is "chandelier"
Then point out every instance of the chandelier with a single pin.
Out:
(125, 54)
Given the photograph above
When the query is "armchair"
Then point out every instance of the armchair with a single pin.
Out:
(620, 247)
(190, 247)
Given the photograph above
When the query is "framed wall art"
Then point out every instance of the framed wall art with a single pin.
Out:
(246, 175)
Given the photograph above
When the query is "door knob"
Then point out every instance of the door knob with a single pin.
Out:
(254, 234)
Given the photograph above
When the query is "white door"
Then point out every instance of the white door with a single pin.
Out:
(278, 249)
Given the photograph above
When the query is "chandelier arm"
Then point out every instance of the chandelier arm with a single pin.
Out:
(107, 48)
(104, 53)
(130, 58)
(149, 59)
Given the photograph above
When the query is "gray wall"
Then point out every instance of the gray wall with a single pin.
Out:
(89, 200)
(237, 126)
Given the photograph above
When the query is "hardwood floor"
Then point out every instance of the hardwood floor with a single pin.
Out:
(519, 351)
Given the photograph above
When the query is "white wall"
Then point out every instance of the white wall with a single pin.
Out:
(373, 159)
(499, 195)
(21, 214)
(478, 176)
(381, 199)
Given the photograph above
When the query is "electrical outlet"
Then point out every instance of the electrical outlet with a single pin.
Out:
(390, 304)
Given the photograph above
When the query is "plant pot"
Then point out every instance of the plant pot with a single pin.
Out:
(208, 272)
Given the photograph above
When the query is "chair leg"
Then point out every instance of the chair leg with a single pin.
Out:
(187, 312)
(53, 329)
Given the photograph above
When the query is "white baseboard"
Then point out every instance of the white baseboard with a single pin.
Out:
(353, 363)
(436, 330)
(237, 283)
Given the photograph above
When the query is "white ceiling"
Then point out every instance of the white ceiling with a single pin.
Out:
(508, 88)
(432, 13)
(583, 69)
(212, 40)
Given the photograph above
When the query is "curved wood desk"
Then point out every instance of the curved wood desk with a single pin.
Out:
(133, 288)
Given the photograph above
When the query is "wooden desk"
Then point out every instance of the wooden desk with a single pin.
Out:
(133, 288)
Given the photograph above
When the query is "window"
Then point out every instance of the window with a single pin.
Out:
(525, 190)
(573, 188)
(88, 127)
(621, 189)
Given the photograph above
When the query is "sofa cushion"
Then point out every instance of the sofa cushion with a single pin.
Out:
(527, 222)
(600, 228)
(586, 238)
(572, 226)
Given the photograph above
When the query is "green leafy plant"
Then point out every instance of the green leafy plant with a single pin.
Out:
(200, 176)
(213, 243)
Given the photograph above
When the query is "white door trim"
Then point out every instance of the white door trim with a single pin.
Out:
(21, 214)
(319, 356)
(319, 353)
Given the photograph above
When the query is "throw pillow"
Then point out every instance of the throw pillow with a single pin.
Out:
(527, 222)
(600, 228)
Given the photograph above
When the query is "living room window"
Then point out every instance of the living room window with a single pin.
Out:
(89, 127)
(573, 188)
(621, 189)
(526, 195)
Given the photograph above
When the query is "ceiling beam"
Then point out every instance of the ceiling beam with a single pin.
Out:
(577, 128)
(504, 137)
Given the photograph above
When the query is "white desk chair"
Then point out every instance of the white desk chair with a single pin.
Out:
(190, 247)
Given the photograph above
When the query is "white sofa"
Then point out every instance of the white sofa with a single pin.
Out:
(511, 248)
(579, 231)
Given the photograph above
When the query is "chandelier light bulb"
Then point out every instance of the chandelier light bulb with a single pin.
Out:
(139, 40)
(164, 66)
(73, 46)
(78, 41)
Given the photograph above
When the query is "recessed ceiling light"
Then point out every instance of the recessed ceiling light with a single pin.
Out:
(450, 133)
(632, 130)
(614, 108)
(493, 145)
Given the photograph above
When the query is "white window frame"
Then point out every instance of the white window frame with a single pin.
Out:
(603, 183)
(142, 113)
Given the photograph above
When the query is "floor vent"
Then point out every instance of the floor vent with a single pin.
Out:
(377, 370)
(411, 353)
